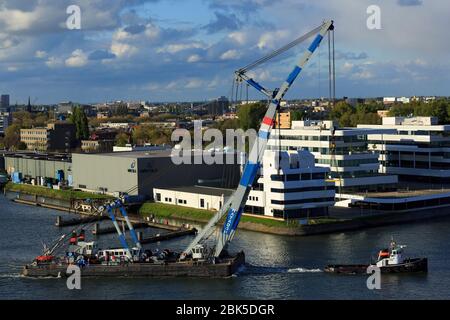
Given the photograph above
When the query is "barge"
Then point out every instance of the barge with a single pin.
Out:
(390, 260)
(224, 267)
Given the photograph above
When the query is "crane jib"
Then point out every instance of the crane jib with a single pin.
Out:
(249, 174)
(239, 198)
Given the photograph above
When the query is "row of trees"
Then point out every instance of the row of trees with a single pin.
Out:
(439, 108)
(144, 134)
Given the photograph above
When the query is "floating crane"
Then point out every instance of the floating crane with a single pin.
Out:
(235, 205)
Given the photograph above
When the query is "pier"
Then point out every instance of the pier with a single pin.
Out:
(166, 236)
(75, 221)
(97, 231)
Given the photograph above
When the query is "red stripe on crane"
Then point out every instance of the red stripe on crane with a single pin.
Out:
(268, 121)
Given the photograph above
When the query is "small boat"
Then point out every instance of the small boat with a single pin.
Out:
(390, 260)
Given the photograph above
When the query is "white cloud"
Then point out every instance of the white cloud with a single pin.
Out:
(123, 49)
(193, 58)
(230, 55)
(270, 39)
(77, 59)
(239, 36)
(17, 20)
(53, 62)
(194, 84)
(177, 47)
(40, 54)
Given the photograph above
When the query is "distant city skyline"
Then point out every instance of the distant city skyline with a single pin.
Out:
(163, 51)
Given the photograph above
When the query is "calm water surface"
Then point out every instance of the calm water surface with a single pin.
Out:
(277, 267)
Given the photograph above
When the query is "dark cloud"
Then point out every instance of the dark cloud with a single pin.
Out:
(101, 55)
(406, 3)
(223, 21)
(135, 29)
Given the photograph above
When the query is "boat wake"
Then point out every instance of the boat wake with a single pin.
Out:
(303, 270)
(264, 270)
(10, 275)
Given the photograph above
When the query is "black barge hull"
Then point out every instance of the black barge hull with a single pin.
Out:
(225, 268)
(411, 265)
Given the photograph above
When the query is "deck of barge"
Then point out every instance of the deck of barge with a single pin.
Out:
(225, 268)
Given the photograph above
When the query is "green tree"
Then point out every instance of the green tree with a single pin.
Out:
(122, 139)
(79, 119)
(12, 137)
(251, 115)
(296, 115)
(340, 109)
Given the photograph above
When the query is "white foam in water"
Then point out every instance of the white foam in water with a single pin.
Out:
(303, 270)
(10, 275)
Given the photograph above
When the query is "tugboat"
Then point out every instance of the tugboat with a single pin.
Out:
(389, 260)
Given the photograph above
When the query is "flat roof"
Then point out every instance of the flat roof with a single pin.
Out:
(149, 154)
(132, 154)
(201, 190)
(64, 157)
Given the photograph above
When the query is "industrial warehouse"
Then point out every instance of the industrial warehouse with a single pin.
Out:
(133, 173)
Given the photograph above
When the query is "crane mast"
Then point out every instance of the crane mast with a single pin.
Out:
(235, 206)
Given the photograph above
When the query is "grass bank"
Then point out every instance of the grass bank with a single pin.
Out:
(168, 211)
(52, 193)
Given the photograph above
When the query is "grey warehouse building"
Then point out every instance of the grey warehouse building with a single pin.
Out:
(34, 165)
(137, 173)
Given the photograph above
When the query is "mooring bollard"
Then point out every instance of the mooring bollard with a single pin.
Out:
(96, 228)
(58, 220)
(139, 235)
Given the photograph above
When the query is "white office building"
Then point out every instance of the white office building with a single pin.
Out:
(345, 151)
(289, 186)
(417, 148)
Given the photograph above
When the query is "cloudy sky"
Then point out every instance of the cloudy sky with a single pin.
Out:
(172, 50)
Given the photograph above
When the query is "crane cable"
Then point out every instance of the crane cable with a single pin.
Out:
(280, 50)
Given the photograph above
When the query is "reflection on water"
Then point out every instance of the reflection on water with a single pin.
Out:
(277, 267)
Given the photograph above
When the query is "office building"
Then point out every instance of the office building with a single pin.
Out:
(417, 148)
(344, 150)
(4, 103)
(59, 136)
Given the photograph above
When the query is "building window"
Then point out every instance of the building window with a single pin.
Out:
(180, 201)
(82, 186)
(202, 203)
(158, 197)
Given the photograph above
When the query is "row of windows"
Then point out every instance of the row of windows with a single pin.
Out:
(181, 201)
(297, 177)
(299, 201)
(33, 139)
(303, 189)
(347, 163)
(253, 198)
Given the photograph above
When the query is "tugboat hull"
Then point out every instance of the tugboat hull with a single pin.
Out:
(409, 265)
(224, 268)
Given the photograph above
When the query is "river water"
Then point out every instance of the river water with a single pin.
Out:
(278, 267)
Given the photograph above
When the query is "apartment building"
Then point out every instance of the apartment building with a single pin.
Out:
(418, 148)
(345, 151)
(59, 136)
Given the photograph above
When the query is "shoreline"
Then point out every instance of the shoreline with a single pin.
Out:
(332, 224)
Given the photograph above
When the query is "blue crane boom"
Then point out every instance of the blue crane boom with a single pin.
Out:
(235, 205)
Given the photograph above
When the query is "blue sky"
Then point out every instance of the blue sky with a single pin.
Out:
(174, 50)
